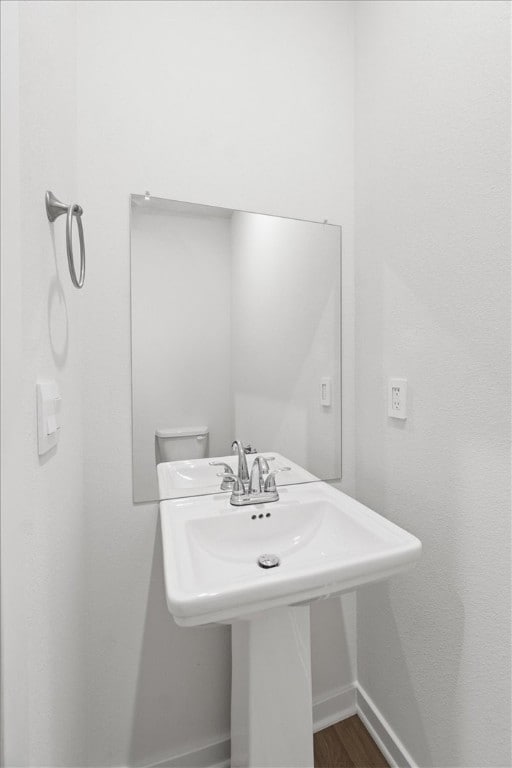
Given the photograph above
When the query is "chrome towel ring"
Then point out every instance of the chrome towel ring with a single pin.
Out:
(55, 208)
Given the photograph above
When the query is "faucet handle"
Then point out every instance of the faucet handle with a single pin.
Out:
(238, 486)
(270, 482)
(227, 468)
(263, 463)
(227, 483)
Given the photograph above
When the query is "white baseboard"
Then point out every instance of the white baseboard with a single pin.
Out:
(337, 706)
(215, 755)
(382, 733)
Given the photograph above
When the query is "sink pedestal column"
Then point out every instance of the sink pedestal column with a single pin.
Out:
(271, 701)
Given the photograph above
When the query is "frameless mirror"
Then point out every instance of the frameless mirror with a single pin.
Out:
(235, 335)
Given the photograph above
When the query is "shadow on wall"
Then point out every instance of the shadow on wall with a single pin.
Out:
(58, 325)
(412, 630)
(58, 322)
(329, 641)
(179, 706)
(428, 673)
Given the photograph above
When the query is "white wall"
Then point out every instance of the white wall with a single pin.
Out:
(43, 602)
(181, 330)
(433, 305)
(286, 338)
(243, 105)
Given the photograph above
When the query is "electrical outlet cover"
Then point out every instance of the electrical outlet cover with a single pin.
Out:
(397, 398)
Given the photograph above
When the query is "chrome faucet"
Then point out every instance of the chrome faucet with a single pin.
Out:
(256, 478)
(243, 472)
(259, 490)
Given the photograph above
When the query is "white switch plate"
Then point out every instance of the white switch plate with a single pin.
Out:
(48, 415)
(326, 391)
(397, 398)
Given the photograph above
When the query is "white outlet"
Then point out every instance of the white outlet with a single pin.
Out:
(397, 398)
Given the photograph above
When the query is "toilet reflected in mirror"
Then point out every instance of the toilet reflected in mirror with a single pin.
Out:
(175, 444)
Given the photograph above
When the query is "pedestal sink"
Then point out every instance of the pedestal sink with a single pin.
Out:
(325, 543)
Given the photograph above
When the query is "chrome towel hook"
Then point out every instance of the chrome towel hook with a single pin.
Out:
(55, 208)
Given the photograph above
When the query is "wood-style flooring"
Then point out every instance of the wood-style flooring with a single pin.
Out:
(347, 745)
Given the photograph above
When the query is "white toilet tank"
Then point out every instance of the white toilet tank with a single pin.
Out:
(180, 443)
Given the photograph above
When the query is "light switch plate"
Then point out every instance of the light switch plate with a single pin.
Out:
(397, 398)
(326, 391)
(48, 415)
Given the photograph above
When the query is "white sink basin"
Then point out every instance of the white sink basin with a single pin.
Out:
(195, 476)
(326, 541)
(189, 474)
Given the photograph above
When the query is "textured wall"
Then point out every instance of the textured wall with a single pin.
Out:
(43, 659)
(433, 305)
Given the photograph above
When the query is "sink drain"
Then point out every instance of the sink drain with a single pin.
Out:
(268, 561)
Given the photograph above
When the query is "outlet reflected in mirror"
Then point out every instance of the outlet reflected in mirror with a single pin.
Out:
(235, 335)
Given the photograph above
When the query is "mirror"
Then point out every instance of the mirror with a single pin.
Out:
(236, 334)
